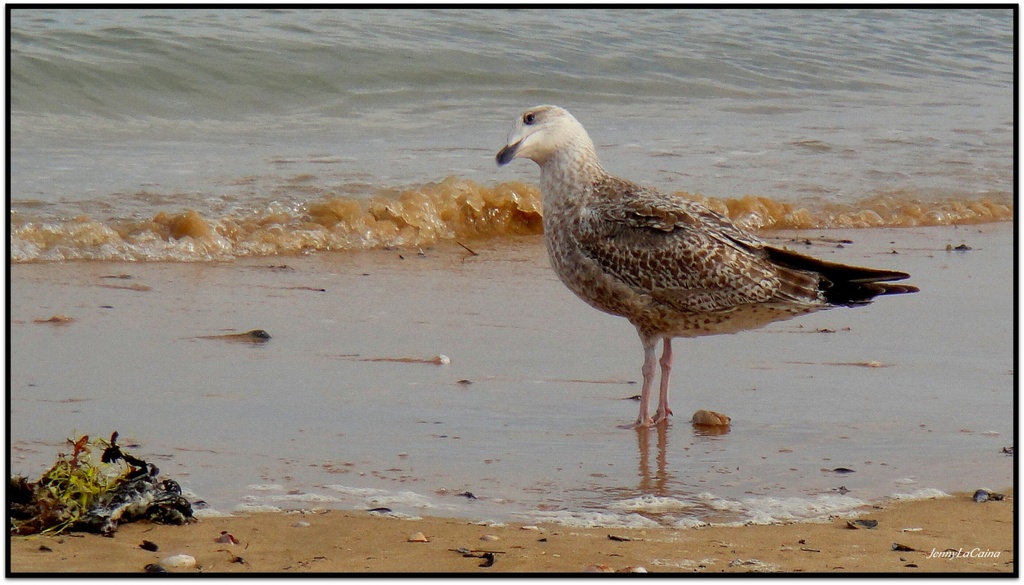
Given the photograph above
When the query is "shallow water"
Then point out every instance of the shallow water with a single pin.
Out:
(342, 407)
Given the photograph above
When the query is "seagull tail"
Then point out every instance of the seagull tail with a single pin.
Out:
(842, 284)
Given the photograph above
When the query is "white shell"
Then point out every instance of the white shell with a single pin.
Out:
(178, 562)
(417, 537)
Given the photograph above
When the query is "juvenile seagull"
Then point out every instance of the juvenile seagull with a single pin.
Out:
(672, 267)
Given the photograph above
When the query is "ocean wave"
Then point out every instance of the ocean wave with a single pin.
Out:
(454, 209)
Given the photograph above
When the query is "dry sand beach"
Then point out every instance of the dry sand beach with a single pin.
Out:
(947, 535)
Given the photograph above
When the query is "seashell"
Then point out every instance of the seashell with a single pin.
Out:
(710, 418)
(417, 537)
(300, 524)
(178, 562)
(489, 538)
(226, 538)
(632, 570)
(442, 360)
(902, 547)
(531, 527)
(598, 569)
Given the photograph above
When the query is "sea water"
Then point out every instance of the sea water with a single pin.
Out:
(206, 134)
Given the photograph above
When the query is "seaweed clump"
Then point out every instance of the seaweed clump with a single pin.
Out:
(77, 494)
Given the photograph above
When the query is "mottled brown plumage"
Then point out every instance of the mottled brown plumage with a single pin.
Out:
(672, 267)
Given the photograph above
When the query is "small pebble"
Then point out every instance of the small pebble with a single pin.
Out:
(599, 569)
(489, 538)
(300, 524)
(417, 537)
(985, 495)
(178, 562)
(529, 528)
(710, 418)
(56, 319)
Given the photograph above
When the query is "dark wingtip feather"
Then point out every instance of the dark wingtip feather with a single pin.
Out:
(842, 284)
(861, 293)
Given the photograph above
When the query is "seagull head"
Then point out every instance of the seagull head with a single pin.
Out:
(540, 133)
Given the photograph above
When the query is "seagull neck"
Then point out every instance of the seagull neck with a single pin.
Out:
(566, 171)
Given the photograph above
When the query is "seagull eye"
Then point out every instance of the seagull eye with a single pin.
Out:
(529, 118)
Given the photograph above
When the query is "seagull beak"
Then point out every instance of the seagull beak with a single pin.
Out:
(505, 155)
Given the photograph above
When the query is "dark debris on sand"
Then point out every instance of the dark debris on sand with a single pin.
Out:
(77, 494)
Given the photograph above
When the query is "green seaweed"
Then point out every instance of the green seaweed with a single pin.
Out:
(78, 493)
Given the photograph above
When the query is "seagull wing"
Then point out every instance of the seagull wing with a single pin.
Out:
(684, 254)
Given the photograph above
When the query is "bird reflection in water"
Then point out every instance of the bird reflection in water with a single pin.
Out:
(654, 481)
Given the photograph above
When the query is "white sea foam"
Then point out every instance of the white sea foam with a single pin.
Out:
(256, 508)
(402, 499)
(649, 503)
(921, 494)
(209, 513)
(377, 498)
(265, 487)
(593, 519)
(771, 510)
(688, 522)
(304, 498)
(354, 491)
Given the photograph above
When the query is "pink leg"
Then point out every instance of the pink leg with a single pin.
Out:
(666, 370)
(643, 420)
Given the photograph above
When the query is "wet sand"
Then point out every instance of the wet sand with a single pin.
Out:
(974, 537)
(344, 406)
